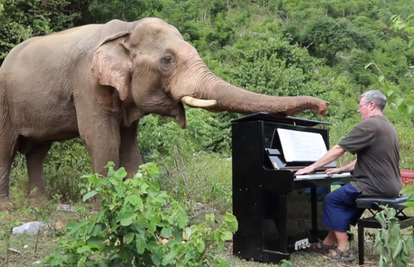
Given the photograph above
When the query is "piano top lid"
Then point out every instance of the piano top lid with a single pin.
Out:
(279, 118)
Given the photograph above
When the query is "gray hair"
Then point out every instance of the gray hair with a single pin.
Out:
(375, 96)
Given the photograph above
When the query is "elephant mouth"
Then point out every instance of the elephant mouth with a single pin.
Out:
(198, 103)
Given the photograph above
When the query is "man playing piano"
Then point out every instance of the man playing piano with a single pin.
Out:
(375, 170)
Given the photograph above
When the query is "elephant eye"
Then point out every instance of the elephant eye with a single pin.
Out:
(167, 63)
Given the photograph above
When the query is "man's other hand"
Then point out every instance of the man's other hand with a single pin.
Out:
(333, 170)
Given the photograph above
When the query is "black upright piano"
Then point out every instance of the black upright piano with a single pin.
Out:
(278, 212)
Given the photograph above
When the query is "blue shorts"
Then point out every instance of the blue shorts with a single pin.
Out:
(339, 210)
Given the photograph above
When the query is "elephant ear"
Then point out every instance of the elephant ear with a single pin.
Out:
(112, 65)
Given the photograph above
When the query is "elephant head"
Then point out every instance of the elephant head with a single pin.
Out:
(155, 70)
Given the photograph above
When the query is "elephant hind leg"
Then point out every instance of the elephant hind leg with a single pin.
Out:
(35, 159)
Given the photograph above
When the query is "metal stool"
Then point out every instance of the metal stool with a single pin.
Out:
(373, 204)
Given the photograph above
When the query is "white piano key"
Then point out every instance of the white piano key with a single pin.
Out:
(318, 176)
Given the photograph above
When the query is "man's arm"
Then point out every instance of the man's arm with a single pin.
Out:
(334, 153)
(347, 168)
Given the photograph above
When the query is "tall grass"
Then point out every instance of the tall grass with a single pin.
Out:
(200, 177)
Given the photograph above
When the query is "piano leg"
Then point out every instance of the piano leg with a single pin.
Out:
(282, 223)
(314, 207)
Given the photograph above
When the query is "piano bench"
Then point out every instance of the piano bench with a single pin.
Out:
(374, 204)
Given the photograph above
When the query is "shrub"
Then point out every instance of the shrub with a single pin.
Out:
(139, 225)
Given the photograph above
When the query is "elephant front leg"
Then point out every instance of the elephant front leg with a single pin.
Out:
(35, 160)
(130, 156)
(102, 141)
(7, 153)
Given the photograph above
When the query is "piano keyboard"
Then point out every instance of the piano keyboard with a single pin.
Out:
(318, 176)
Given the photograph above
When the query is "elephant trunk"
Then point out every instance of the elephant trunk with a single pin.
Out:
(224, 96)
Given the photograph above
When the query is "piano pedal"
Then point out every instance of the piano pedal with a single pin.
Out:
(302, 244)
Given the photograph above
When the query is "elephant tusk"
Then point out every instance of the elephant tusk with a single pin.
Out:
(198, 103)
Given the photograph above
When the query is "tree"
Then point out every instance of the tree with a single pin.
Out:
(129, 10)
(325, 37)
(22, 19)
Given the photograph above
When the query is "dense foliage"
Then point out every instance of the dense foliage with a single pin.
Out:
(139, 225)
(329, 49)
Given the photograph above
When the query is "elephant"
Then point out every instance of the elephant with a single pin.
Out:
(97, 81)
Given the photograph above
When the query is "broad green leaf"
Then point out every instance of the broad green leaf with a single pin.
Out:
(121, 173)
(119, 191)
(144, 188)
(169, 258)
(82, 261)
(56, 262)
(201, 246)
(89, 195)
(231, 221)
(187, 232)
(96, 242)
(75, 227)
(126, 219)
(96, 229)
(156, 258)
(136, 201)
(83, 249)
(182, 220)
(166, 232)
(113, 180)
(225, 236)
(140, 244)
(398, 249)
(129, 237)
(410, 240)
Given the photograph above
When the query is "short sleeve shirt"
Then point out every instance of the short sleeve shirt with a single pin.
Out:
(375, 142)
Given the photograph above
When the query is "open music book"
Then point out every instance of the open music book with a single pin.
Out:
(300, 146)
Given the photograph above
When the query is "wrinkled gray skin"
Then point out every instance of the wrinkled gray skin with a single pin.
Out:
(97, 82)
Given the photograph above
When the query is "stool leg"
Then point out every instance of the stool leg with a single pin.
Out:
(361, 242)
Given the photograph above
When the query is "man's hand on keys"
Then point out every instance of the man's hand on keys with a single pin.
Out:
(306, 170)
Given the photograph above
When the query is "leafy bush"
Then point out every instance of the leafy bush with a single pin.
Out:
(139, 225)
(390, 242)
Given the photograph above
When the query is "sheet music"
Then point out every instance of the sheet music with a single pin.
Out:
(301, 146)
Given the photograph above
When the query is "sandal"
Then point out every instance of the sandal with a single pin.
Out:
(343, 256)
(320, 247)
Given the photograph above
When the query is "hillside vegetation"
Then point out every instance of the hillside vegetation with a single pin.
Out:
(320, 48)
